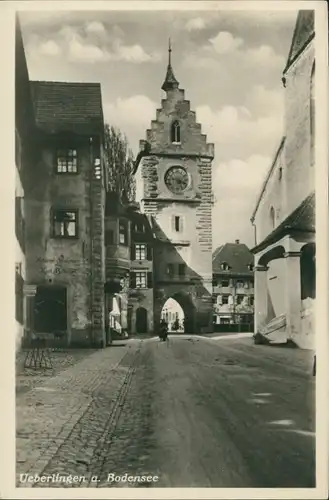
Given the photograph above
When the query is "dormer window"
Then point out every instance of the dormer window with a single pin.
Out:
(224, 266)
(175, 132)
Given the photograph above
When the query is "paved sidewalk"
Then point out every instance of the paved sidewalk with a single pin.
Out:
(73, 409)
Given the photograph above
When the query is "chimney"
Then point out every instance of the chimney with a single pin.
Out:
(237, 241)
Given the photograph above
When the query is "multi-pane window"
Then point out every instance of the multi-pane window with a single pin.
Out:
(239, 299)
(225, 283)
(140, 252)
(225, 266)
(123, 233)
(141, 279)
(239, 284)
(65, 224)
(181, 269)
(225, 299)
(67, 161)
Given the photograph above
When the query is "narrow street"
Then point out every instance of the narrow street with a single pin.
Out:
(194, 412)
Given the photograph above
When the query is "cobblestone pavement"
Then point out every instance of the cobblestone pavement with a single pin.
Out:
(61, 359)
(191, 411)
(61, 422)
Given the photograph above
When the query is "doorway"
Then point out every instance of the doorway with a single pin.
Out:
(141, 320)
(50, 309)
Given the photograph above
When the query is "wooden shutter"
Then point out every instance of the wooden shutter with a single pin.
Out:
(219, 300)
(181, 224)
(132, 280)
(149, 280)
(133, 252)
(148, 252)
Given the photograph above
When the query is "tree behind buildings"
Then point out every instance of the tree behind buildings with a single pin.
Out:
(120, 162)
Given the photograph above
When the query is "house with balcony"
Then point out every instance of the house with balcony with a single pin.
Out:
(233, 287)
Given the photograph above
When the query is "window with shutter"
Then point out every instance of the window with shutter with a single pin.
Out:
(225, 299)
(132, 280)
(149, 252)
(123, 237)
(149, 280)
(140, 252)
(219, 300)
(141, 279)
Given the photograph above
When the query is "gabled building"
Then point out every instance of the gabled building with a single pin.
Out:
(64, 209)
(173, 175)
(284, 215)
(233, 287)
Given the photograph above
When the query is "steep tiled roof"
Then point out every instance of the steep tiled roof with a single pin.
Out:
(63, 107)
(236, 255)
(304, 31)
(301, 219)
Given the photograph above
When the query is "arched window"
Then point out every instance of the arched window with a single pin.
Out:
(272, 217)
(175, 132)
(312, 114)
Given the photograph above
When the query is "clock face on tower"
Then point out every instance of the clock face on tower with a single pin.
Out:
(177, 179)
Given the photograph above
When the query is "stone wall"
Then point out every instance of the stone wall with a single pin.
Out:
(274, 196)
(299, 169)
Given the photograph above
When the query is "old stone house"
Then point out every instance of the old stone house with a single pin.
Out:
(233, 286)
(284, 215)
(64, 205)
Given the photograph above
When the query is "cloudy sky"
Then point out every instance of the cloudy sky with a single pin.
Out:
(228, 62)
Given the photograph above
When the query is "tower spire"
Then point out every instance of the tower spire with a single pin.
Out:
(170, 80)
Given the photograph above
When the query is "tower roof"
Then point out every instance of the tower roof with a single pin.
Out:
(170, 80)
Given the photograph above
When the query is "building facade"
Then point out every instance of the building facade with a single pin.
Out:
(24, 154)
(233, 287)
(284, 216)
(173, 175)
(59, 158)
